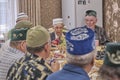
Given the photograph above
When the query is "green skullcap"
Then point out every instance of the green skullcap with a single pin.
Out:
(18, 34)
(112, 57)
(91, 13)
(37, 36)
(24, 24)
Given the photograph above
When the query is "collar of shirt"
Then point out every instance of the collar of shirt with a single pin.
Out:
(35, 57)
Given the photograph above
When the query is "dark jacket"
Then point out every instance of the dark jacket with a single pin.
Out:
(69, 72)
(52, 35)
(100, 34)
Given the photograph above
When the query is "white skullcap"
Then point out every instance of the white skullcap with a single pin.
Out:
(57, 21)
(22, 14)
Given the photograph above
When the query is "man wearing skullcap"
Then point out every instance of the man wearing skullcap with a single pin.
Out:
(26, 24)
(22, 17)
(13, 49)
(34, 67)
(100, 34)
(110, 70)
(80, 55)
(58, 34)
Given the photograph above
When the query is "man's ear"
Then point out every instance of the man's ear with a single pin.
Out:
(46, 47)
(23, 46)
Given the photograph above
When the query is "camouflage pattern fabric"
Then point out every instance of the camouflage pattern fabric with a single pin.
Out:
(30, 67)
(101, 35)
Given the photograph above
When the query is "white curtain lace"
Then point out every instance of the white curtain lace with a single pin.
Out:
(8, 12)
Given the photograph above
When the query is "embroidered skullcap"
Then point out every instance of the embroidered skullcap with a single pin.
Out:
(18, 34)
(22, 14)
(91, 13)
(112, 56)
(80, 41)
(57, 21)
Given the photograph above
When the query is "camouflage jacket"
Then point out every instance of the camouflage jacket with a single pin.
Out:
(101, 35)
(30, 67)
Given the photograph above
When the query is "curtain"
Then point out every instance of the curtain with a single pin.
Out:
(8, 10)
(11, 13)
(32, 9)
(112, 19)
(41, 12)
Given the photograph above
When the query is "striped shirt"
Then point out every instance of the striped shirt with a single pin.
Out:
(8, 56)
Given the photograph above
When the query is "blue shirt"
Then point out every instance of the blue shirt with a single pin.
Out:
(69, 72)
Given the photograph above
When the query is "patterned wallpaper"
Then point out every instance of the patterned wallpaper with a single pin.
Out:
(112, 19)
(50, 9)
